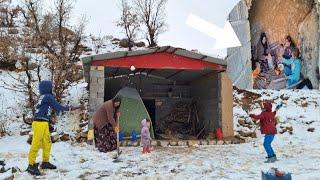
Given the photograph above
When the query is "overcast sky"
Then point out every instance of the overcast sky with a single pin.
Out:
(102, 15)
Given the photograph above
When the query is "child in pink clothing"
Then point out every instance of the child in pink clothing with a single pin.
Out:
(145, 135)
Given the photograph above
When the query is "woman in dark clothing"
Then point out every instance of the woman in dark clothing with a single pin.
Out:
(262, 53)
(105, 127)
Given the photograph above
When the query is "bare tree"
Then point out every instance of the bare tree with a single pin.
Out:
(8, 41)
(61, 42)
(152, 14)
(129, 21)
(8, 13)
(97, 42)
(8, 51)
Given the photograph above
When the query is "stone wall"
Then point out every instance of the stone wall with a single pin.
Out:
(205, 91)
(309, 36)
(278, 18)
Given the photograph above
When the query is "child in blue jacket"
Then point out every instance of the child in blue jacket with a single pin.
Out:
(40, 127)
(294, 64)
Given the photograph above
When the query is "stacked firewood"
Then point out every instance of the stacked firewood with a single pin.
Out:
(181, 123)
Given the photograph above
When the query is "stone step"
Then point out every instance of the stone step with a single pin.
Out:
(181, 143)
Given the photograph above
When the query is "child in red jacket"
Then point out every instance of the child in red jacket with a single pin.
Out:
(267, 127)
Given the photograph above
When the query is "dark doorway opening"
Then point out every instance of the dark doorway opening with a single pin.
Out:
(151, 108)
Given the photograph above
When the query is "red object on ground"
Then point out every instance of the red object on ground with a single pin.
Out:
(162, 60)
(279, 173)
(219, 134)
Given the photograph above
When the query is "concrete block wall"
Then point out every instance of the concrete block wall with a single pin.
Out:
(205, 91)
(96, 95)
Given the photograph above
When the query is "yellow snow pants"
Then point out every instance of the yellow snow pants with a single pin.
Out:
(41, 139)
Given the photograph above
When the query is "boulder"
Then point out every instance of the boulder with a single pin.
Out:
(237, 140)
(248, 134)
(182, 143)
(3, 169)
(10, 177)
(13, 31)
(2, 163)
(125, 43)
(304, 104)
(204, 142)
(154, 143)
(173, 143)
(193, 143)
(135, 143)
(311, 129)
(284, 98)
(212, 142)
(241, 122)
(32, 66)
(54, 137)
(65, 137)
(253, 135)
(164, 143)
(115, 40)
(140, 44)
(15, 169)
(290, 129)
(220, 142)
(24, 132)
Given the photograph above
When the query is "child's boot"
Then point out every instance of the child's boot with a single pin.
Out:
(33, 170)
(271, 159)
(144, 151)
(47, 165)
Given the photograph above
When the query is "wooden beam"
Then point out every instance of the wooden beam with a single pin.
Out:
(150, 71)
(116, 72)
(174, 74)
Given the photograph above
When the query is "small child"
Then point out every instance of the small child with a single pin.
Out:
(145, 135)
(267, 127)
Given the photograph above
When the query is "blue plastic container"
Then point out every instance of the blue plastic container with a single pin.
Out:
(134, 136)
(121, 136)
(270, 176)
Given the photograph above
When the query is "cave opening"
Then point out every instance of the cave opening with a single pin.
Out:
(280, 18)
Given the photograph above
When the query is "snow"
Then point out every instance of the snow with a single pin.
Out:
(107, 46)
(10, 101)
(298, 153)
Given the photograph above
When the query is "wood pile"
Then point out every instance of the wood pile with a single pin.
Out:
(181, 123)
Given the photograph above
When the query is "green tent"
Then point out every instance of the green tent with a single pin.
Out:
(132, 111)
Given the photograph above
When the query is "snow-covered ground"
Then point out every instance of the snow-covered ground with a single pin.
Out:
(298, 153)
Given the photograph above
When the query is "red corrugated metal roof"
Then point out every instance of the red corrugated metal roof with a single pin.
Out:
(159, 60)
